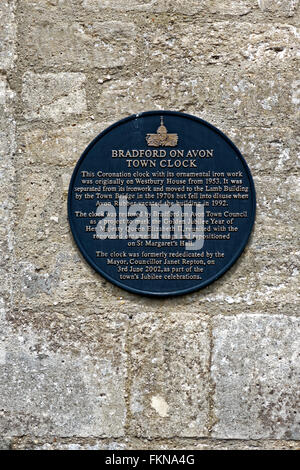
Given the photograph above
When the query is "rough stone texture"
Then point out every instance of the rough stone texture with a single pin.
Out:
(94, 43)
(255, 368)
(169, 376)
(146, 444)
(268, 151)
(7, 174)
(51, 96)
(63, 387)
(83, 363)
(211, 8)
(59, 146)
(7, 34)
(233, 97)
(7, 265)
(213, 43)
(285, 7)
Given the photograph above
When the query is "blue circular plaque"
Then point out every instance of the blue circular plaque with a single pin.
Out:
(161, 203)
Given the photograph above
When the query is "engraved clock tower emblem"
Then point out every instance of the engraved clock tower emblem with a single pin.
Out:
(162, 138)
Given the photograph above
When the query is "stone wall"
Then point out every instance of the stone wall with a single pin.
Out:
(83, 363)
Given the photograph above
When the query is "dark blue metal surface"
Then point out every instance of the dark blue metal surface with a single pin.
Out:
(192, 133)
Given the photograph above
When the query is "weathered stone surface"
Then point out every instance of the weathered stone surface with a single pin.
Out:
(267, 273)
(169, 376)
(266, 101)
(51, 96)
(261, 277)
(5, 443)
(7, 34)
(261, 44)
(267, 150)
(60, 146)
(140, 5)
(210, 8)
(62, 383)
(25, 443)
(92, 43)
(83, 363)
(255, 368)
(7, 175)
(276, 7)
(44, 247)
(277, 201)
(51, 270)
(220, 96)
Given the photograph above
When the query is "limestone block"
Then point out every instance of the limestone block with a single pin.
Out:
(258, 98)
(202, 43)
(140, 5)
(149, 6)
(255, 367)
(169, 375)
(62, 377)
(61, 146)
(209, 8)
(51, 96)
(222, 96)
(286, 8)
(7, 176)
(7, 34)
(277, 202)
(51, 270)
(268, 151)
(129, 443)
